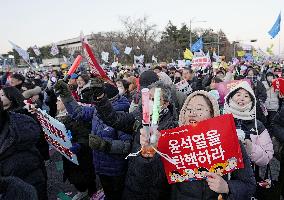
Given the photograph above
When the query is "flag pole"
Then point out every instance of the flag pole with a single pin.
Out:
(279, 45)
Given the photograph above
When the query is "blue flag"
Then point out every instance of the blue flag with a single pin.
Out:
(198, 45)
(276, 27)
(115, 49)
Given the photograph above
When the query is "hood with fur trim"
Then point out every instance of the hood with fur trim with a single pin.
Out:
(248, 114)
(212, 99)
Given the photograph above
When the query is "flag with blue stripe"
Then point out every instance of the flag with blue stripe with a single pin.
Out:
(198, 45)
(276, 27)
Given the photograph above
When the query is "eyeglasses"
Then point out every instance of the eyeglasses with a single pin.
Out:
(197, 110)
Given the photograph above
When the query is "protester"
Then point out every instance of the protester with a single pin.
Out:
(83, 83)
(17, 80)
(82, 176)
(18, 153)
(272, 102)
(109, 151)
(277, 131)
(123, 88)
(187, 74)
(13, 188)
(197, 107)
(132, 122)
(260, 94)
(241, 102)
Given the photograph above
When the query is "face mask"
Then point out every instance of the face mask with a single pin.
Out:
(121, 91)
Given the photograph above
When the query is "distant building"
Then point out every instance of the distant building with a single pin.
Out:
(73, 44)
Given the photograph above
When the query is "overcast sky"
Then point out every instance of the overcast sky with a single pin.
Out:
(41, 22)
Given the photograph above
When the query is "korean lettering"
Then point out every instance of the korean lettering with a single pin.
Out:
(174, 146)
(199, 141)
(179, 160)
(218, 153)
(214, 137)
(186, 143)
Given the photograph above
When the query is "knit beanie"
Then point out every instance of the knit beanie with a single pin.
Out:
(147, 78)
(214, 102)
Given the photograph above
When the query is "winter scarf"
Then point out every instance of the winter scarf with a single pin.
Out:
(246, 112)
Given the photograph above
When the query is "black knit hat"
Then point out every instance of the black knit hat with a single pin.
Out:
(147, 78)
(15, 96)
(111, 91)
(19, 77)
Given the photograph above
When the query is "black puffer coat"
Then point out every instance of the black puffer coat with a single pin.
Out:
(13, 188)
(19, 156)
(145, 178)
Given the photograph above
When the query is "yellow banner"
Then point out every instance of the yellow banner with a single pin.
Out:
(187, 54)
(241, 53)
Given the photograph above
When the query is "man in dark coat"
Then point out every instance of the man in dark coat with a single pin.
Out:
(19, 156)
(278, 132)
(13, 188)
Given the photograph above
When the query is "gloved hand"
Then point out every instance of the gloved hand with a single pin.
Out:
(75, 148)
(97, 143)
(62, 89)
(241, 135)
(97, 86)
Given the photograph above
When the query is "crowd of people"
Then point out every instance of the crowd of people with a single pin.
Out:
(104, 117)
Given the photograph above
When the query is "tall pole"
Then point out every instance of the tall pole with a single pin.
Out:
(279, 46)
(190, 35)
(218, 41)
(234, 49)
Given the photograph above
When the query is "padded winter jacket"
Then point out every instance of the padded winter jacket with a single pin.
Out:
(104, 163)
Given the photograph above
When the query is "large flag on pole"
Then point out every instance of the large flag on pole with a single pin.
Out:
(36, 50)
(97, 69)
(24, 54)
(276, 27)
(198, 45)
(54, 50)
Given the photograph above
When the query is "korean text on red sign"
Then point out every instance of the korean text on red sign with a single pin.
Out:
(209, 146)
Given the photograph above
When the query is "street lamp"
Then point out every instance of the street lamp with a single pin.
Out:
(190, 35)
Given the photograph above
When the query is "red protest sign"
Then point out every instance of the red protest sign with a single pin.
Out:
(225, 87)
(211, 145)
(200, 62)
(278, 84)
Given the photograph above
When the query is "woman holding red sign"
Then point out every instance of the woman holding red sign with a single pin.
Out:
(200, 106)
